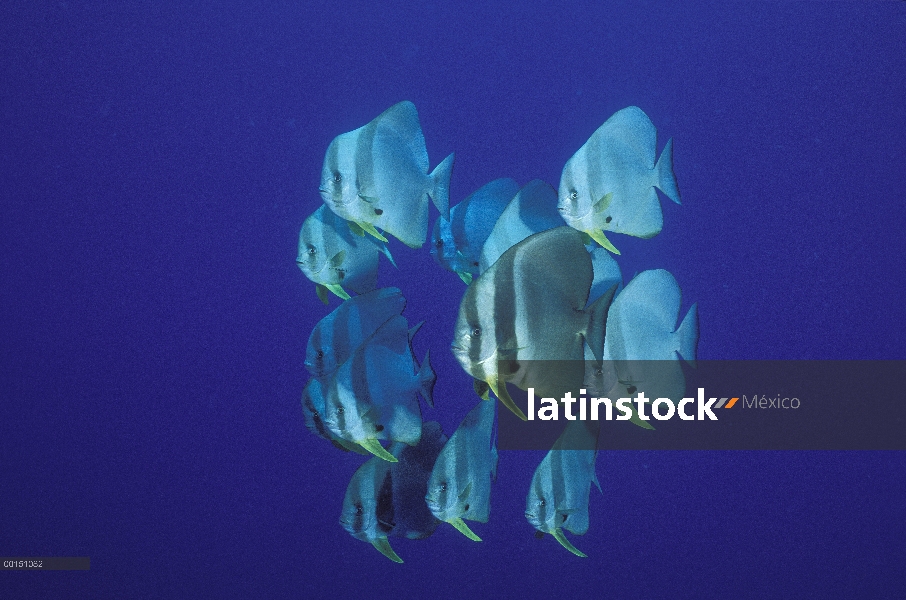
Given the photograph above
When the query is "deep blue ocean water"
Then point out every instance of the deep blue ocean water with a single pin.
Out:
(157, 160)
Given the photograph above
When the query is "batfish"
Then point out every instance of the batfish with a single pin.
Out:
(372, 396)
(334, 259)
(385, 499)
(642, 341)
(460, 484)
(457, 242)
(558, 496)
(313, 409)
(530, 306)
(337, 335)
(377, 177)
(531, 211)
(609, 183)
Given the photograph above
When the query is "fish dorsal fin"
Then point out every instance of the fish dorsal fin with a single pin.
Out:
(401, 120)
(393, 335)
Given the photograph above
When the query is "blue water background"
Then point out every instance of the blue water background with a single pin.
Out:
(158, 158)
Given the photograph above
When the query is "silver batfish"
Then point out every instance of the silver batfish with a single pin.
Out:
(337, 335)
(460, 484)
(457, 242)
(642, 339)
(372, 396)
(531, 211)
(313, 409)
(558, 496)
(334, 259)
(608, 184)
(377, 177)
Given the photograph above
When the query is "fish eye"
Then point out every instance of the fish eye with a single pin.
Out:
(311, 250)
(358, 509)
(340, 410)
(573, 195)
(599, 371)
(541, 502)
(443, 487)
(476, 332)
(320, 354)
(337, 178)
(439, 242)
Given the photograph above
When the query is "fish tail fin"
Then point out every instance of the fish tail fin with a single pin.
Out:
(426, 380)
(597, 322)
(440, 186)
(688, 335)
(666, 180)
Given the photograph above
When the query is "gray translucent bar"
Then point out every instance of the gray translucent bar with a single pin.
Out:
(45, 563)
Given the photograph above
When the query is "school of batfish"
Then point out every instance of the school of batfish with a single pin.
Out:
(543, 285)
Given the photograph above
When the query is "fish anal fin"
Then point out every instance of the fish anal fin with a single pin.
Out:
(461, 526)
(499, 389)
(374, 446)
(369, 228)
(338, 290)
(383, 546)
(598, 236)
(558, 535)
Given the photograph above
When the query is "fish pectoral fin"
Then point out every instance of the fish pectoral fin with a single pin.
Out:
(466, 277)
(461, 526)
(322, 293)
(503, 395)
(603, 204)
(368, 199)
(374, 446)
(598, 236)
(338, 290)
(465, 493)
(369, 228)
(338, 258)
(355, 229)
(558, 535)
(383, 546)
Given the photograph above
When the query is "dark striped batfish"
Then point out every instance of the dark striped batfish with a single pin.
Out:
(384, 499)
(530, 305)
(373, 395)
(457, 242)
(460, 484)
(334, 259)
(608, 184)
(337, 335)
(376, 177)
(558, 496)
(531, 210)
